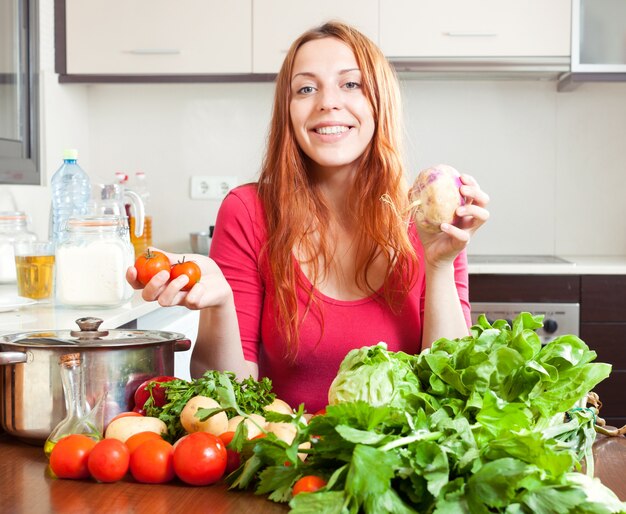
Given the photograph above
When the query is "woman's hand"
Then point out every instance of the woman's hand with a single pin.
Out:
(443, 247)
(212, 290)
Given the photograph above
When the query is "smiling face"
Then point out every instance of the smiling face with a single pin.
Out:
(331, 116)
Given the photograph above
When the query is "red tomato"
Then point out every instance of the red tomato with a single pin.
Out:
(136, 440)
(189, 268)
(233, 459)
(152, 462)
(158, 393)
(320, 412)
(308, 484)
(200, 459)
(149, 264)
(109, 460)
(69, 456)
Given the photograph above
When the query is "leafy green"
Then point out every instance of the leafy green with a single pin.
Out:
(248, 396)
(493, 422)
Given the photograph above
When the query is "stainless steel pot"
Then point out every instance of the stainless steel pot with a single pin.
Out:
(116, 362)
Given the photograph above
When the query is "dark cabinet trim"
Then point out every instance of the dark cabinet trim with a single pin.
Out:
(524, 288)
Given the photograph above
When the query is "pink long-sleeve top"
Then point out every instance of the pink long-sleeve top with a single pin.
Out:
(240, 233)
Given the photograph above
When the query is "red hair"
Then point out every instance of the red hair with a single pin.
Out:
(295, 208)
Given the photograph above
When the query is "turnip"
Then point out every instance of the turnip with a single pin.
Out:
(255, 424)
(123, 428)
(435, 197)
(279, 406)
(216, 424)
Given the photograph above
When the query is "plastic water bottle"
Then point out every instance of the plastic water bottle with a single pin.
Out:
(71, 194)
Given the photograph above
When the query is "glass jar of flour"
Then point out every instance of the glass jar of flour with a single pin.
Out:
(91, 262)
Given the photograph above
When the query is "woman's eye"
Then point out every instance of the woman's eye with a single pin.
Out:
(306, 90)
(352, 85)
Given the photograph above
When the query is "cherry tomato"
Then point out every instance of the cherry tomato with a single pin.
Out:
(233, 459)
(158, 393)
(200, 459)
(152, 462)
(149, 264)
(69, 456)
(136, 440)
(109, 460)
(320, 412)
(189, 268)
(308, 484)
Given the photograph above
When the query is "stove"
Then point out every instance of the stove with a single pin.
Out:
(559, 318)
(516, 259)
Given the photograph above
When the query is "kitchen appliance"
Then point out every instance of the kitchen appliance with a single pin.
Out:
(116, 362)
(559, 318)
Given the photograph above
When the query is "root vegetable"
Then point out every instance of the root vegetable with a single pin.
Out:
(255, 424)
(435, 197)
(216, 424)
(127, 426)
(279, 406)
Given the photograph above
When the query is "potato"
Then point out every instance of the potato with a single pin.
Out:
(436, 197)
(255, 423)
(284, 431)
(279, 406)
(123, 428)
(216, 424)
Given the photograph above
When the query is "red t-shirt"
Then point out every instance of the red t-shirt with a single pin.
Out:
(240, 233)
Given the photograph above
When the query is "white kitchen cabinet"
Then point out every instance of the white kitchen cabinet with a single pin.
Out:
(277, 23)
(158, 37)
(475, 28)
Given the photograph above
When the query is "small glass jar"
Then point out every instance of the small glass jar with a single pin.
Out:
(91, 262)
(13, 229)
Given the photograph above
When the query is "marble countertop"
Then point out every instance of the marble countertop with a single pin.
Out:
(575, 265)
(45, 314)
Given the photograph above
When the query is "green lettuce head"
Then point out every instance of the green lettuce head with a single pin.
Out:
(375, 375)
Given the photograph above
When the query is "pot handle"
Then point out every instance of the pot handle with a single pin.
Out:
(182, 345)
(12, 357)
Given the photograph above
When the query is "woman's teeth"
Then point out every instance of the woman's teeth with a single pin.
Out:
(331, 130)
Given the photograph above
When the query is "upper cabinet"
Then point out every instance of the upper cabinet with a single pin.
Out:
(155, 37)
(475, 28)
(277, 23)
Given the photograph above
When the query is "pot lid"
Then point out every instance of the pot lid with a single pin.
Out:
(90, 336)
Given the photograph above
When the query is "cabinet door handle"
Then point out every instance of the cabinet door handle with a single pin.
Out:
(153, 51)
(469, 34)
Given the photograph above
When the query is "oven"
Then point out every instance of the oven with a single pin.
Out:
(559, 318)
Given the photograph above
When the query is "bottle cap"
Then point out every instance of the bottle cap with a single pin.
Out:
(70, 153)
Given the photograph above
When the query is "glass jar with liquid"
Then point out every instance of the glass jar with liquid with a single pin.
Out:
(13, 229)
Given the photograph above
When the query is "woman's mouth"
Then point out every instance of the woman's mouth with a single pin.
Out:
(331, 130)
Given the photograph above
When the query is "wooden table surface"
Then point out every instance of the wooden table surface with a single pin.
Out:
(25, 487)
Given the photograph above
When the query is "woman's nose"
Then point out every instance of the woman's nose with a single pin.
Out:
(329, 99)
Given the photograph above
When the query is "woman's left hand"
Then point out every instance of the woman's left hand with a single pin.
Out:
(443, 247)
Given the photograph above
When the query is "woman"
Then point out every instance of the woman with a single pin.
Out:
(309, 262)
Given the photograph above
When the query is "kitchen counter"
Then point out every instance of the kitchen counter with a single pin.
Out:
(576, 265)
(45, 314)
(25, 487)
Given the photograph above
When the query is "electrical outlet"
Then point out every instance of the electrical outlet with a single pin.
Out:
(200, 187)
(205, 187)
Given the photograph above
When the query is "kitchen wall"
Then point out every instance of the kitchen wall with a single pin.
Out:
(553, 163)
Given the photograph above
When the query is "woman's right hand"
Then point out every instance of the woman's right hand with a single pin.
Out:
(212, 290)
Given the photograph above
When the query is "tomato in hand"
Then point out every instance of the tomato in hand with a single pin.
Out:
(200, 459)
(189, 268)
(308, 484)
(152, 462)
(69, 456)
(158, 393)
(109, 460)
(233, 459)
(149, 264)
